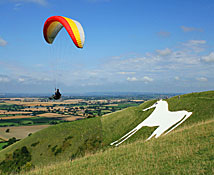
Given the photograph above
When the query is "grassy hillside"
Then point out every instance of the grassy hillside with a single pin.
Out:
(189, 150)
(118, 124)
(71, 139)
(201, 104)
(65, 142)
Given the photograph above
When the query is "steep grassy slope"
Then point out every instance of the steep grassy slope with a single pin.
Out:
(76, 139)
(189, 150)
(201, 104)
(118, 124)
(62, 142)
(70, 140)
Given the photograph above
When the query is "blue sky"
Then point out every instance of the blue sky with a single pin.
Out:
(131, 46)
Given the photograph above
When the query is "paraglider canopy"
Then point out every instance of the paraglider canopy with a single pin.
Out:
(54, 24)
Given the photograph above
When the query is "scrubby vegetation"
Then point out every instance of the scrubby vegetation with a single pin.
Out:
(10, 142)
(19, 160)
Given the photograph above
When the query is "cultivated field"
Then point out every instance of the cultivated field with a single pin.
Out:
(36, 102)
(13, 112)
(19, 132)
(15, 117)
(51, 115)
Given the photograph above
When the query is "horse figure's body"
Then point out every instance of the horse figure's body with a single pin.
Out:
(161, 117)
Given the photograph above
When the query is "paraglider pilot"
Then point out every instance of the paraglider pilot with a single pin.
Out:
(56, 96)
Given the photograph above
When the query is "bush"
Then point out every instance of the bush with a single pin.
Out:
(10, 142)
(34, 144)
(17, 161)
(53, 122)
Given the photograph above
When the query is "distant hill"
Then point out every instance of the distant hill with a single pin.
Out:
(68, 141)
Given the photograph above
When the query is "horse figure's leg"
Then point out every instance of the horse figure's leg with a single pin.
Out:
(153, 134)
(127, 137)
(133, 131)
(129, 134)
(181, 121)
(157, 132)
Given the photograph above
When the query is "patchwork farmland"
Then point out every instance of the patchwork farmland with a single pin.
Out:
(20, 117)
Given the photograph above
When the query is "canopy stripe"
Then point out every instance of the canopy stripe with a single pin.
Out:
(55, 23)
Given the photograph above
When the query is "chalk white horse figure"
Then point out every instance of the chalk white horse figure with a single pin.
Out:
(161, 117)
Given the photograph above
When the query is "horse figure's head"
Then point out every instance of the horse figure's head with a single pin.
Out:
(156, 104)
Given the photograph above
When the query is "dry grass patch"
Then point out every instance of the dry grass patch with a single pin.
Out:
(111, 105)
(20, 132)
(73, 101)
(61, 108)
(51, 115)
(50, 103)
(16, 117)
(14, 112)
(72, 118)
(36, 109)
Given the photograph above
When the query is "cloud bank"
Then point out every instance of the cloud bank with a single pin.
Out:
(190, 29)
(39, 2)
(3, 42)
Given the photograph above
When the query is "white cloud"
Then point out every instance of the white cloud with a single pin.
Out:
(93, 73)
(17, 6)
(196, 42)
(177, 78)
(147, 79)
(40, 2)
(90, 84)
(132, 79)
(4, 79)
(209, 58)
(190, 29)
(184, 57)
(203, 79)
(164, 34)
(195, 45)
(164, 52)
(2, 42)
(39, 65)
(21, 79)
(126, 73)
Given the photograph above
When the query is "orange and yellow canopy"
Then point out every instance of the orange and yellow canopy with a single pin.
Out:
(54, 24)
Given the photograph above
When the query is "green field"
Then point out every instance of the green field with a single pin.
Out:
(6, 104)
(8, 124)
(71, 141)
(29, 121)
